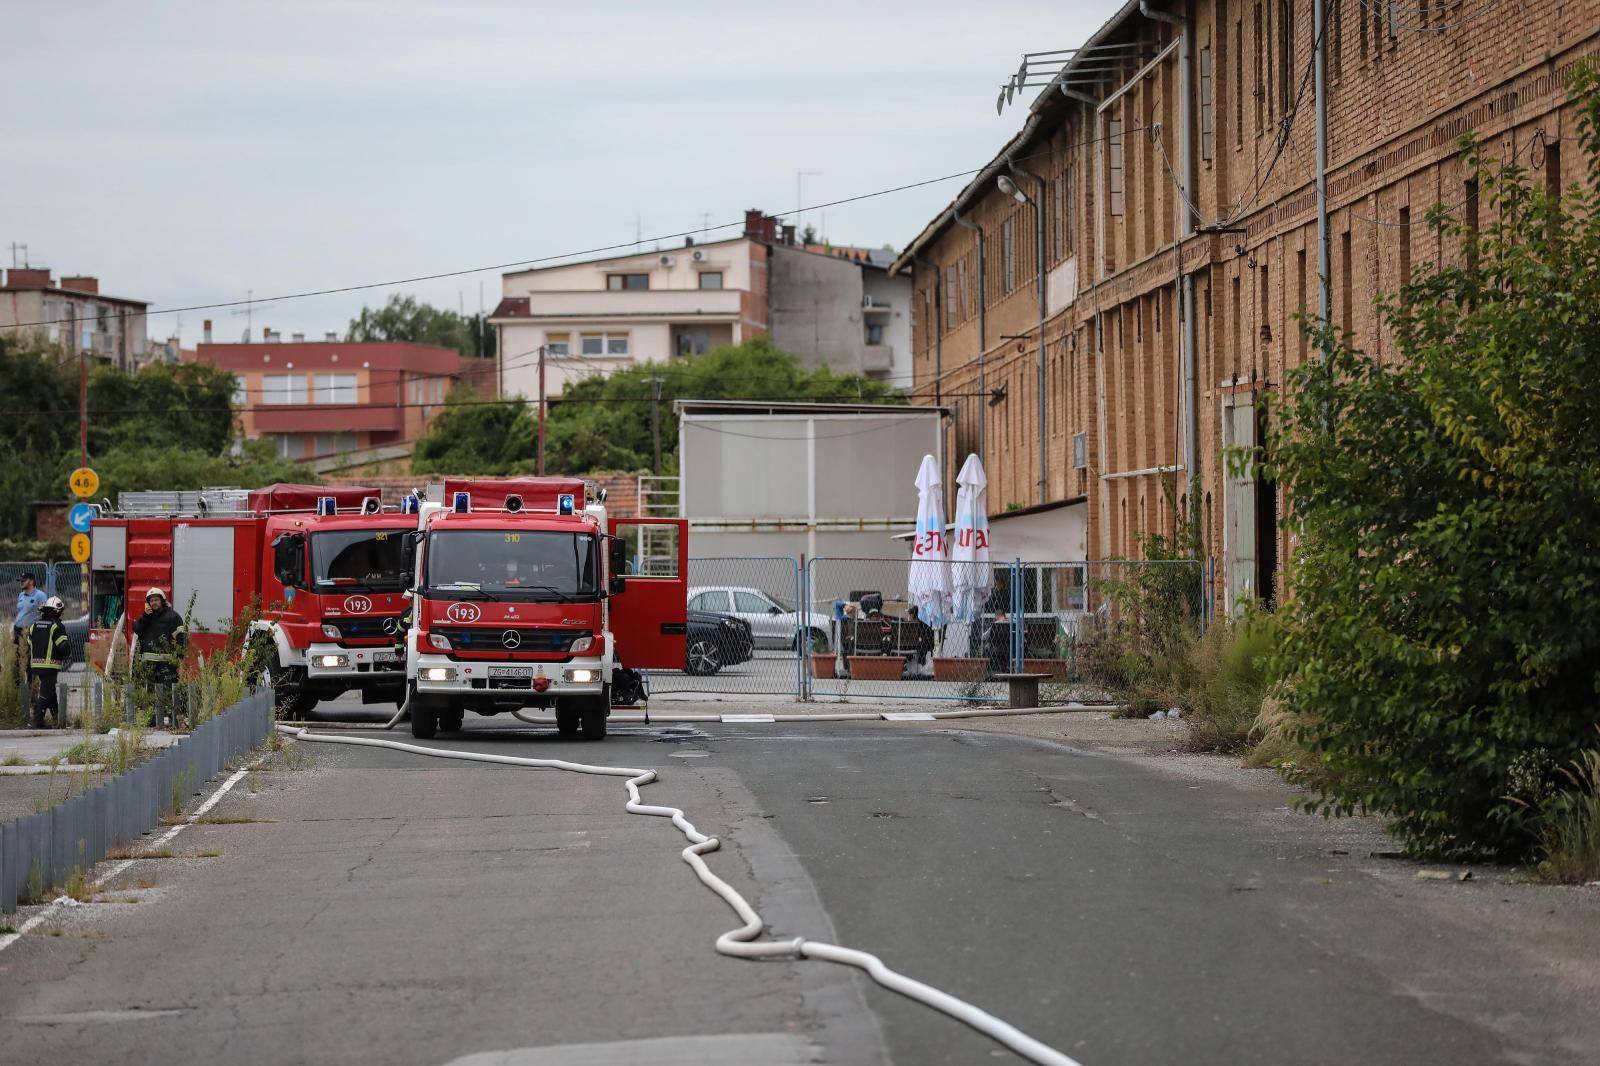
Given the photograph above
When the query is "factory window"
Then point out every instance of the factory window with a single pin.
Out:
(1114, 173)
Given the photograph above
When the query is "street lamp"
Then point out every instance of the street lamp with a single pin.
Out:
(1009, 187)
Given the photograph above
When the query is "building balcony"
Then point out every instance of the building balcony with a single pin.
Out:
(327, 418)
(634, 304)
(877, 359)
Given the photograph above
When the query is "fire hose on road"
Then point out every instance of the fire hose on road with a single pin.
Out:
(743, 942)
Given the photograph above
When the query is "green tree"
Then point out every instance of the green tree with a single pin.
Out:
(404, 318)
(1442, 645)
(171, 466)
(603, 423)
(472, 436)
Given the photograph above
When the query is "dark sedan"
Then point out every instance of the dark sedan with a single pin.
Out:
(717, 640)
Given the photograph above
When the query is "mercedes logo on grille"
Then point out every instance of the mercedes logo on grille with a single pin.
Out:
(389, 625)
(511, 639)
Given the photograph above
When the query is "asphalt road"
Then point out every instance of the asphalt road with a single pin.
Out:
(383, 907)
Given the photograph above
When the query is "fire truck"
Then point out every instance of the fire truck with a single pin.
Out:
(525, 595)
(325, 565)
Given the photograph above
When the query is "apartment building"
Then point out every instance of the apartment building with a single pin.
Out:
(1160, 195)
(314, 399)
(75, 314)
(598, 316)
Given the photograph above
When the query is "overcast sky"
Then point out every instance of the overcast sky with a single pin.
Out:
(188, 153)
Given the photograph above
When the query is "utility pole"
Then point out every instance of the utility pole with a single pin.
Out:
(539, 452)
(83, 394)
(655, 424)
(1319, 44)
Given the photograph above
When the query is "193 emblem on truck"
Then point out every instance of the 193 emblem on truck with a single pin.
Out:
(357, 604)
(463, 612)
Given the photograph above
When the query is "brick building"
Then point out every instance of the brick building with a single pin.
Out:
(1173, 158)
(330, 397)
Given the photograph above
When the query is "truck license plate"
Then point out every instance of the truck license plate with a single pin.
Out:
(383, 656)
(511, 671)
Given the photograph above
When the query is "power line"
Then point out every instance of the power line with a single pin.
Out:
(336, 290)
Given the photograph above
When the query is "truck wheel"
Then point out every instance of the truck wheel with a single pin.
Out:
(567, 720)
(424, 722)
(450, 721)
(594, 719)
(288, 691)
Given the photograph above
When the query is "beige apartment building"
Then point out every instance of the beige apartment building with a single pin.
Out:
(592, 318)
(1171, 160)
(75, 314)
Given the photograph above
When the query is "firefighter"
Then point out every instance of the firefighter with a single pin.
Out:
(50, 652)
(402, 626)
(163, 636)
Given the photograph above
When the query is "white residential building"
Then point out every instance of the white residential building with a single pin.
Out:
(598, 316)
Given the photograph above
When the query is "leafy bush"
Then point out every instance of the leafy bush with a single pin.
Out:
(1442, 649)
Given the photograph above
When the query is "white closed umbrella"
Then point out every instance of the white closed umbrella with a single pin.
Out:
(972, 577)
(929, 581)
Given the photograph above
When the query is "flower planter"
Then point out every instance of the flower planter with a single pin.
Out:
(877, 667)
(959, 669)
(822, 665)
(1058, 669)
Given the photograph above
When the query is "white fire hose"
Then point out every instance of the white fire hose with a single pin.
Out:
(741, 943)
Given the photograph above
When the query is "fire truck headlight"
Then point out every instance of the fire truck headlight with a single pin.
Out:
(580, 677)
(334, 660)
(439, 640)
(582, 644)
(439, 673)
(331, 632)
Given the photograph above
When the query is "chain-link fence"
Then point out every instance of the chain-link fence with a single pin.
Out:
(1046, 618)
(745, 634)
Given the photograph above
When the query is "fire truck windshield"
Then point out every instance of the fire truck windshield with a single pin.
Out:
(364, 560)
(513, 565)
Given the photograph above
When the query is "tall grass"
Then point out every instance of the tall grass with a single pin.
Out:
(1569, 840)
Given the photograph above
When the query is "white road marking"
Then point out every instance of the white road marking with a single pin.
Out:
(49, 912)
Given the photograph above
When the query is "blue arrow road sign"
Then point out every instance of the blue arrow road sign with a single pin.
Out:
(78, 517)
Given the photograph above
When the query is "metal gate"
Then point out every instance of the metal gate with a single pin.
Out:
(745, 631)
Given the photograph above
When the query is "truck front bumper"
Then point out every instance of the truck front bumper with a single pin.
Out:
(438, 675)
(330, 662)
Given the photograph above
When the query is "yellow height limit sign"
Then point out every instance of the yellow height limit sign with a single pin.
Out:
(84, 482)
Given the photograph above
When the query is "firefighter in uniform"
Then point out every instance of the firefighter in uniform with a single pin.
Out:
(402, 626)
(163, 636)
(50, 651)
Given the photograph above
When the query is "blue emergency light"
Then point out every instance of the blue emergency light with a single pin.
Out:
(462, 503)
(327, 505)
(409, 504)
(565, 503)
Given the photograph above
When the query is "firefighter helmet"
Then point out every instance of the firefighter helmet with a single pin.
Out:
(156, 592)
(54, 604)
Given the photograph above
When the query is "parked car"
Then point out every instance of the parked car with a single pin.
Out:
(773, 624)
(716, 640)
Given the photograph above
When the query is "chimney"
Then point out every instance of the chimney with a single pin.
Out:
(688, 242)
(82, 283)
(207, 333)
(332, 336)
(26, 278)
(752, 223)
(298, 338)
(788, 236)
(268, 336)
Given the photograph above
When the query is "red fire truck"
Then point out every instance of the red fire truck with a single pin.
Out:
(325, 564)
(525, 595)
